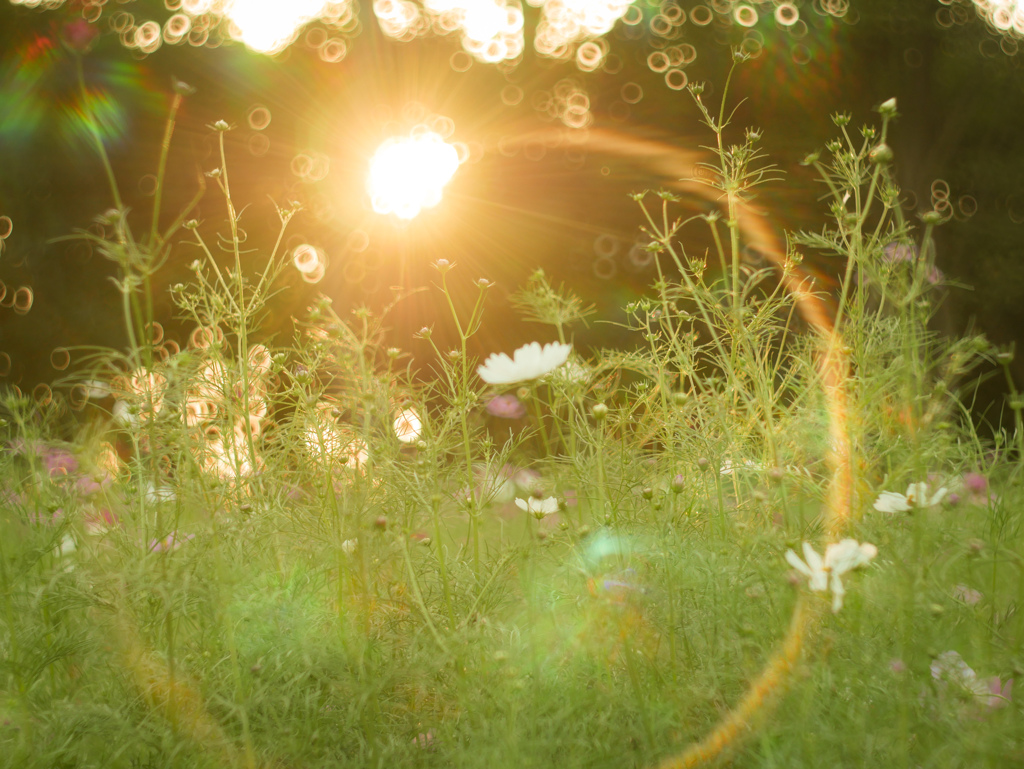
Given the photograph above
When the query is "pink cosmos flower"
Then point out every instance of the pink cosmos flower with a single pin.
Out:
(902, 252)
(506, 407)
(968, 595)
(975, 490)
(58, 462)
(425, 741)
(46, 517)
(99, 521)
(953, 675)
(975, 483)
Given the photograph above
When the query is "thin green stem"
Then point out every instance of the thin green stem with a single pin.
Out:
(165, 147)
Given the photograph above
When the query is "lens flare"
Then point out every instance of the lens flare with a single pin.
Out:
(407, 174)
(565, 22)
(269, 26)
(1005, 16)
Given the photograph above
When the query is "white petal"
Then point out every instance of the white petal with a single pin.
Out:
(819, 577)
(548, 505)
(497, 369)
(124, 415)
(951, 667)
(917, 494)
(812, 558)
(67, 545)
(528, 362)
(796, 563)
(840, 556)
(838, 591)
(848, 555)
(891, 502)
(538, 507)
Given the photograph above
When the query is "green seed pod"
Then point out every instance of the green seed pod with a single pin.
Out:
(881, 155)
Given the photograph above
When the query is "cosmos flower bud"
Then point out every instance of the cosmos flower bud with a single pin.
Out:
(810, 159)
(881, 155)
(181, 88)
(79, 35)
(888, 107)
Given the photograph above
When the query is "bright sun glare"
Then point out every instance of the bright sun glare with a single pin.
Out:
(407, 174)
(270, 27)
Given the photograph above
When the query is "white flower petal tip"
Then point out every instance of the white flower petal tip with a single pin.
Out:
(826, 573)
(796, 563)
(917, 497)
(538, 508)
(529, 362)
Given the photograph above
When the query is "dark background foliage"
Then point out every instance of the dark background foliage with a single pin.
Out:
(959, 99)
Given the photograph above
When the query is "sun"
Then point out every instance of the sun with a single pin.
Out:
(408, 174)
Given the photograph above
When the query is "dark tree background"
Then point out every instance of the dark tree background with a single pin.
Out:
(508, 213)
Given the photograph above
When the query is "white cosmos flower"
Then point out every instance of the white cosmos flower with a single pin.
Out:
(825, 573)
(66, 547)
(125, 415)
(728, 466)
(916, 497)
(408, 425)
(538, 508)
(530, 361)
(96, 389)
(158, 494)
